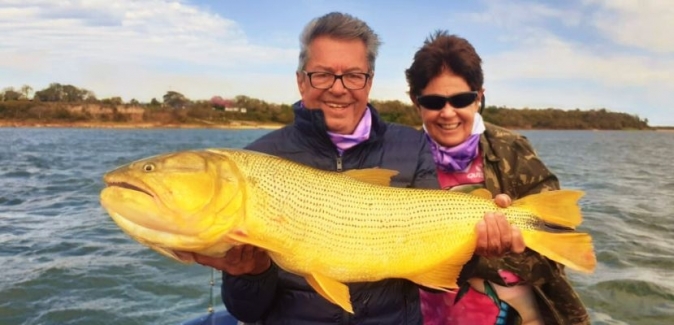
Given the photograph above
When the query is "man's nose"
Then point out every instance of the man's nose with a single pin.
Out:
(338, 86)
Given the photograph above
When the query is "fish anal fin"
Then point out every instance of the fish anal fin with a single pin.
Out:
(332, 290)
(483, 193)
(445, 275)
(377, 176)
(558, 207)
(442, 277)
(573, 249)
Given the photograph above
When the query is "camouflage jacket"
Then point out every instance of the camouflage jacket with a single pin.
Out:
(511, 166)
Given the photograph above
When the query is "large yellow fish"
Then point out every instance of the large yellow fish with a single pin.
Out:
(331, 228)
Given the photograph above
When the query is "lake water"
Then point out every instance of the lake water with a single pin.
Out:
(63, 260)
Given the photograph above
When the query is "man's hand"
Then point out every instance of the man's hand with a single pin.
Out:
(495, 236)
(239, 260)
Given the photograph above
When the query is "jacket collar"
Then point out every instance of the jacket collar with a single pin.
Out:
(311, 124)
(485, 145)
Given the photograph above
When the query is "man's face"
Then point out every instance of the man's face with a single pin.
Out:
(343, 108)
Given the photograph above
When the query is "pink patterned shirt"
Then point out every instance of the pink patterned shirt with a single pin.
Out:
(473, 308)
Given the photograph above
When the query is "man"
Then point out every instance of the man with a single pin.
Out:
(336, 129)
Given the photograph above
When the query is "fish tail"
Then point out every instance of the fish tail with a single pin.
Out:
(573, 249)
(568, 247)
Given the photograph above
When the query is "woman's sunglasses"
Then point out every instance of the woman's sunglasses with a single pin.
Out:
(437, 102)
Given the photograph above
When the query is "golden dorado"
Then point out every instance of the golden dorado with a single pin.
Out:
(331, 228)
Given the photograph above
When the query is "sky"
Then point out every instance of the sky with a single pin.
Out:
(585, 54)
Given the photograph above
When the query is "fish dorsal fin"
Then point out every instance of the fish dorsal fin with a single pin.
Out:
(483, 193)
(332, 290)
(377, 176)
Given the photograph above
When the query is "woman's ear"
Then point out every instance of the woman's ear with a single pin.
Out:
(414, 101)
(481, 100)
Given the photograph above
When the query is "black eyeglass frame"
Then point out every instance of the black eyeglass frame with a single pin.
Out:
(309, 74)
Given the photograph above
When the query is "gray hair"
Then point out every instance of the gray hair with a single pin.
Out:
(339, 26)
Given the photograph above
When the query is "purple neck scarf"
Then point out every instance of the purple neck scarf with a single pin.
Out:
(360, 134)
(459, 157)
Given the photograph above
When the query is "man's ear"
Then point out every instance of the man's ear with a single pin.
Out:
(368, 85)
(301, 80)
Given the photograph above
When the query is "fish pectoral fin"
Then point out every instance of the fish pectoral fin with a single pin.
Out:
(442, 277)
(483, 193)
(376, 176)
(332, 290)
(242, 237)
(172, 254)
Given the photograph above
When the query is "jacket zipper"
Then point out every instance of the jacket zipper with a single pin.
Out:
(339, 163)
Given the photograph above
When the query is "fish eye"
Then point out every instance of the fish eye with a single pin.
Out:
(148, 167)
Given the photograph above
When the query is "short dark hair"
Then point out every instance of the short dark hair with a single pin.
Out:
(444, 51)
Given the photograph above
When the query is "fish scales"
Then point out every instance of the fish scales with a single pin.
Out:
(309, 210)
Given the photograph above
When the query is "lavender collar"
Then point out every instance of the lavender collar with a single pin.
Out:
(359, 135)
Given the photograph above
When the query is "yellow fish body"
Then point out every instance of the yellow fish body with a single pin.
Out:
(331, 228)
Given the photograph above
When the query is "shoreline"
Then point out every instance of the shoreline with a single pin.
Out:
(237, 125)
(138, 125)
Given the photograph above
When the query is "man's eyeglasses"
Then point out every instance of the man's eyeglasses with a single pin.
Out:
(437, 102)
(325, 80)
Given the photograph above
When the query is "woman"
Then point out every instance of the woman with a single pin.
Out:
(446, 85)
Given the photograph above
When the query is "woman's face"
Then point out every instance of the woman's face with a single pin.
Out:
(449, 126)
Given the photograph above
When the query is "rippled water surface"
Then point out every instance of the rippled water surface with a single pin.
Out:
(63, 260)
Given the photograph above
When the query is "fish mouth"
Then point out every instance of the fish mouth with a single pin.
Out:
(156, 239)
(130, 186)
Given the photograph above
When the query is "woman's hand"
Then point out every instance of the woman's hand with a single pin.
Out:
(495, 236)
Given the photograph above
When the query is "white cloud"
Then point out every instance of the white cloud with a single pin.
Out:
(557, 59)
(642, 24)
(134, 30)
(517, 14)
(538, 51)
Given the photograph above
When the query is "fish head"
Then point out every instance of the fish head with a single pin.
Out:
(178, 202)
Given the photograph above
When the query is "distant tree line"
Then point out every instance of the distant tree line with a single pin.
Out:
(56, 102)
(526, 118)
